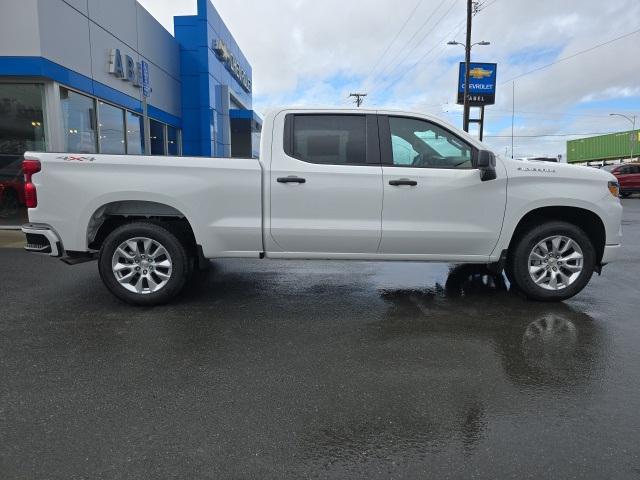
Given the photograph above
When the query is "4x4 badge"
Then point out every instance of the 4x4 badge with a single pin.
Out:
(75, 158)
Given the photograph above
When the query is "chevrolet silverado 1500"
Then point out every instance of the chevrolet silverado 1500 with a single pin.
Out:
(332, 185)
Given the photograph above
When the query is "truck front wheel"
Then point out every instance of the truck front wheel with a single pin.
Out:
(553, 261)
(143, 264)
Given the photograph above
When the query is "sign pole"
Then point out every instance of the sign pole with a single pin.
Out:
(513, 112)
(467, 64)
(481, 122)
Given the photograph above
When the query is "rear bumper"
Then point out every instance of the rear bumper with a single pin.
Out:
(42, 239)
(611, 253)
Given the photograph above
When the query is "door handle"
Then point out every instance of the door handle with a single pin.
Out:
(403, 181)
(292, 179)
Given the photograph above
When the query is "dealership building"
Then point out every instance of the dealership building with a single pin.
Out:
(97, 76)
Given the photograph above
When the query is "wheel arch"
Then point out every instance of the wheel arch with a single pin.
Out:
(110, 216)
(585, 219)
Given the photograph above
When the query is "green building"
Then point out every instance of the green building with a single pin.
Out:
(603, 148)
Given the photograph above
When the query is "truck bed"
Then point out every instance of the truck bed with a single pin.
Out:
(221, 197)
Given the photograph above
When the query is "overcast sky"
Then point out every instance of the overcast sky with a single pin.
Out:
(317, 52)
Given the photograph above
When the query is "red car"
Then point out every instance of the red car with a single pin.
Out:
(11, 190)
(628, 175)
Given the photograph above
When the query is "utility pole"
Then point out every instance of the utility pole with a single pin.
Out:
(473, 7)
(359, 98)
(467, 65)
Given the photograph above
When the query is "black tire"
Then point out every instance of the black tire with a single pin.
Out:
(625, 194)
(180, 261)
(519, 260)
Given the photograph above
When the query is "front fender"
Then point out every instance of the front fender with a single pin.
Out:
(524, 197)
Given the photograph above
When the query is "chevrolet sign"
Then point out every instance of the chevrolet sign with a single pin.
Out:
(225, 56)
(482, 84)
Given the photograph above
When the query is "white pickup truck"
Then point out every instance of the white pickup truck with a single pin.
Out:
(332, 185)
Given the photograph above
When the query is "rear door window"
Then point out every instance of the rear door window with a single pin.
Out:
(327, 139)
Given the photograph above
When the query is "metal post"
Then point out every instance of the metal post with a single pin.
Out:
(513, 112)
(633, 137)
(467, 65)
(481, 122)
(147, 127)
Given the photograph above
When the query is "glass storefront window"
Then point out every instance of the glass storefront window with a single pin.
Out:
(156, 130)
(135, 134)
(79, 122)
(111, 128)
(172, 141)
(21, 129)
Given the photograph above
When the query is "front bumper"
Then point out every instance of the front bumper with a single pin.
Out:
(611, 253)
(42, 239)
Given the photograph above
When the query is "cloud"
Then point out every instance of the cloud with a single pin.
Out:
(305, 51)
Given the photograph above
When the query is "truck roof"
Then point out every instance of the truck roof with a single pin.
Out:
(271, 113)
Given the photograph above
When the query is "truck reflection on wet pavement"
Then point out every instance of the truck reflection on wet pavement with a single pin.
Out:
(322, 370)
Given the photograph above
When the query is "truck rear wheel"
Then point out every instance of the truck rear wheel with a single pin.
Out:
(553, 261)
(143, 264)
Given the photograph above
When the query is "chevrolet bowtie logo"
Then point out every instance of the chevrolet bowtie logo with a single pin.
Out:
(480, 73)
(221, 50)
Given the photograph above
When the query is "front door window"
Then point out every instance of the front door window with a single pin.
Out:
(421, 144)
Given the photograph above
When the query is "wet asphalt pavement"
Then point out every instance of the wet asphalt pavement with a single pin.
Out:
(321, 370)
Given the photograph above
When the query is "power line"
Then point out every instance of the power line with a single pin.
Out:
(457, 29)
(551, 135)
(420, 42)
(395, 38)
(497, 112)
(443, 48)
(393, 64)
(571, 56)
(426, 54)
(483, 6)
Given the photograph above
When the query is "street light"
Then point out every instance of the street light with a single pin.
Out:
(483, 43)
(467, 63)
(631, 120)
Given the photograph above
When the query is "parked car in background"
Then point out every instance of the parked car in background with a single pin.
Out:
(11, 189)
(628, 175)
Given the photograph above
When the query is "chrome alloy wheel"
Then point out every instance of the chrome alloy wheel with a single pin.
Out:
(556, 262)
(142, 265)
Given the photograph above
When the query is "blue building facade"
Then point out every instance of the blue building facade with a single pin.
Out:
(216, 83)
(97, 50)
(79, 76)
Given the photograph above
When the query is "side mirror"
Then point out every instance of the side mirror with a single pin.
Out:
(487, 165)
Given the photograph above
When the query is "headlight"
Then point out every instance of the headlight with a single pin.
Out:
(614, 188)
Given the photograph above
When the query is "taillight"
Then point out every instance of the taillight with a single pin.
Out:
(29, 168)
